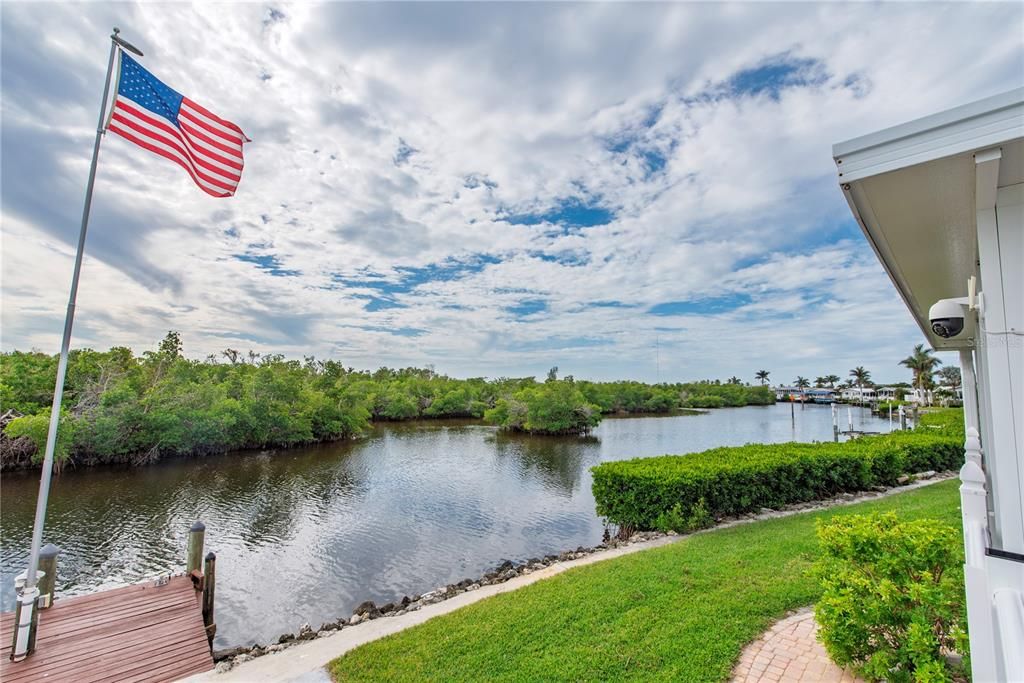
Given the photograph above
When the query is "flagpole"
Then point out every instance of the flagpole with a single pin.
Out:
(24, 637)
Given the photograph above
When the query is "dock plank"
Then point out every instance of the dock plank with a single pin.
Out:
(145, 633)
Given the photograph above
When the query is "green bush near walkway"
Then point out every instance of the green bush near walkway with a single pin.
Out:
(737, 480)
(681, 612)
(892, 602)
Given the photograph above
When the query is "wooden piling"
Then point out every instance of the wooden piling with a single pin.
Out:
(47, 564)
(209, 586)
(196, 536)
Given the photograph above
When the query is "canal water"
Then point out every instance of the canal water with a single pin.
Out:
(305, 535)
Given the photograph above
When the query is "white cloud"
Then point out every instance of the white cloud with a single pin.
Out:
(388, 139)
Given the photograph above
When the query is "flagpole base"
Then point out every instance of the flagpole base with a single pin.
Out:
(26, 621)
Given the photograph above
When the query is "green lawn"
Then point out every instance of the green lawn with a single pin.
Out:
(678, 613)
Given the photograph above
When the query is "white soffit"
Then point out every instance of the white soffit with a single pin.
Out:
(912, 190)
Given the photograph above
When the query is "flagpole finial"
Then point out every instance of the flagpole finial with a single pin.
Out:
(124, 43)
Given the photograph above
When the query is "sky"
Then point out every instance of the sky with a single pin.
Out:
(641, 191)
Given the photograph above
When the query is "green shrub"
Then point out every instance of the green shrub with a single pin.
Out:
(704, 401)
(682, 522)
(555, 407)
(930, 451)
(892, 596)
(36, 427)
(946, 421)
(742, 479)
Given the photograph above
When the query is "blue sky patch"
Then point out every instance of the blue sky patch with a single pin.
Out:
(653, 161)
(707, 306)
(528, 307)
(573, 212)
(775, 74)
(407, 278)
(376, 303)
(268, 263)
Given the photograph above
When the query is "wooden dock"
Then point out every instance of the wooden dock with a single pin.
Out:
(138, 633)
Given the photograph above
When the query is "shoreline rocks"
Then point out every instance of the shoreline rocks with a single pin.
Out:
(507, 570)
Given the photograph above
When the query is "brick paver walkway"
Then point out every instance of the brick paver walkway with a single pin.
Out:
(789, 651)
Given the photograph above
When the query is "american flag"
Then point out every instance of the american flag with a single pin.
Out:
(157, 118)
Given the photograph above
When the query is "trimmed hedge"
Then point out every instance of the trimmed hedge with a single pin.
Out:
(736, 480)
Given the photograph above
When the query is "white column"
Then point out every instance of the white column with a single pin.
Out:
(976, 584)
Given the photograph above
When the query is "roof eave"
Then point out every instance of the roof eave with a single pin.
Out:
(977, 125)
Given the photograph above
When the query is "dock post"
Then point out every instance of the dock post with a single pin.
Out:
(903, 418)
(835, 422)
(48, 564)
(209, 586)
(196, 536)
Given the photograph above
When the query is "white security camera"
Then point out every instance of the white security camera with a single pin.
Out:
(947, 316)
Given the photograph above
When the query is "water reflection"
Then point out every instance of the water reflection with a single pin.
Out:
(304, 535)
(557, 462)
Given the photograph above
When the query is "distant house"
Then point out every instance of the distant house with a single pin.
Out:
(941, 201)
(885, 393)
(858, 394)
(919, 396)
(787, 393)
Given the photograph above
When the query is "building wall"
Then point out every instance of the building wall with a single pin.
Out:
(1000, 357)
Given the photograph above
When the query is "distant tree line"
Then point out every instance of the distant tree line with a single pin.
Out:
(120, 407)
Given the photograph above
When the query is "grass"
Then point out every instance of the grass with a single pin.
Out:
(681, 612)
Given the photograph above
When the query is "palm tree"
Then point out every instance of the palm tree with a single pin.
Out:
(763, 376)
(819, 382)
(734, 380)
(860, 376)
(832, 379)
(922, 363)
(801, 383)
(950, 376)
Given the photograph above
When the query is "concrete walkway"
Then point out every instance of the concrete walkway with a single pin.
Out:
(304, 663)
(790, 652)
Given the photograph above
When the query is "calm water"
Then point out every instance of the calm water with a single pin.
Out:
(305, 535)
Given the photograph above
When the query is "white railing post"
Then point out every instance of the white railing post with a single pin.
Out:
(979, 597)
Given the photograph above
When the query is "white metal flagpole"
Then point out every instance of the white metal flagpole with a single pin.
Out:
(24, 635)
